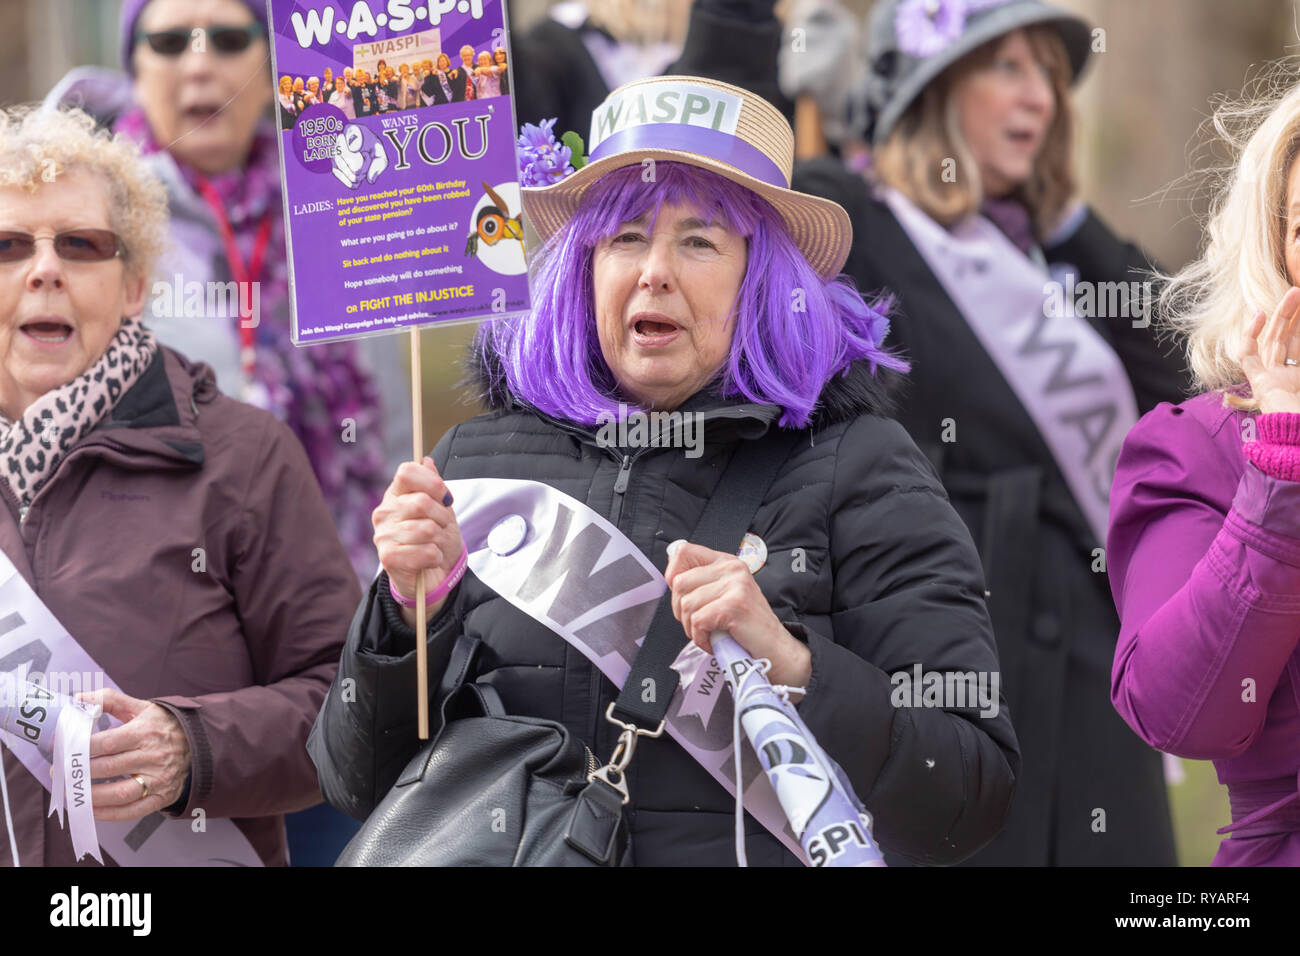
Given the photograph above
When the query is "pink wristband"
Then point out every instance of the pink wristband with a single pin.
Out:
(442, 590)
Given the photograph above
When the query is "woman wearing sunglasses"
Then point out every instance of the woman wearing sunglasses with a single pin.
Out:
(201, 112)
(197, 103)
(110, 443)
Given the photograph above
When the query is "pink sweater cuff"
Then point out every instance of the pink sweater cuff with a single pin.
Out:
(1276, 450)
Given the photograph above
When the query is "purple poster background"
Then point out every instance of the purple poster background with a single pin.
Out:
(411, 237)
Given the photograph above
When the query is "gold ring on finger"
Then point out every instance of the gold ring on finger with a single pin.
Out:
(144, 787)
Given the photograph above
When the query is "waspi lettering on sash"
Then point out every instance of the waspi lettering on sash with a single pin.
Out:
(580, 577)
(1067, 377)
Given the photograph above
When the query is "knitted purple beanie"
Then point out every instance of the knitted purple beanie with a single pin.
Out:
(131, 10)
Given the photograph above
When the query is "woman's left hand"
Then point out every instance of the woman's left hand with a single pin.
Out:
(713, 591)
(150, 744)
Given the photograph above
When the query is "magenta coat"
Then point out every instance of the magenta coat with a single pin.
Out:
(1203, 557)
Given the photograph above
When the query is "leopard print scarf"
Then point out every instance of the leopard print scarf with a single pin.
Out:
(32, 447)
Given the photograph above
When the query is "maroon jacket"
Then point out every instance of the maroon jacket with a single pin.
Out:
(243, 653)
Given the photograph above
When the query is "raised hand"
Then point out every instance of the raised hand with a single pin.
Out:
(416, 530)
(1270, 356)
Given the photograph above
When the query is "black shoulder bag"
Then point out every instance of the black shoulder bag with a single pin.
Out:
(491, 789)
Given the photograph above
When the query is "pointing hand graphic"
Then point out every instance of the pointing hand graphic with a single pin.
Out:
(360, 156)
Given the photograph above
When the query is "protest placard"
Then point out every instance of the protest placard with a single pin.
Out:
(400, 181)
(401, 185)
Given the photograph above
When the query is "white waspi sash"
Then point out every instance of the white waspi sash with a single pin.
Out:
(1065, 374)
(60, 728)
(571, 570)
(31, 639)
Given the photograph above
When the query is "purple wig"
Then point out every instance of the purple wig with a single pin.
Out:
(794, 330)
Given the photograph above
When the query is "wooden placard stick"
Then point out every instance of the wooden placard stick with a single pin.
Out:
(417, 443)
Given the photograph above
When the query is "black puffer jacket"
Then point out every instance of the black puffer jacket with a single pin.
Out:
(888, 578)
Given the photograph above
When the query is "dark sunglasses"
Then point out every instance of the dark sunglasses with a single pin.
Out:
(224, 39)
(75, 245)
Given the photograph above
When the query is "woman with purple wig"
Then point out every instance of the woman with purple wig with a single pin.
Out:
(680, 274)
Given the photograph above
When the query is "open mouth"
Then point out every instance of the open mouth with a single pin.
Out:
(1022, 137)
(653, 327)
(651, 331)
(48, 332)
(200, 112)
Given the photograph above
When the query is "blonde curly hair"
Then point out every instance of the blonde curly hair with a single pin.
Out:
(1242, 265)
(38, 145)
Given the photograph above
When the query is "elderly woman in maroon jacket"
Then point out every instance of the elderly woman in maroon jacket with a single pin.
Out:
(1204, 543)
(178, 536)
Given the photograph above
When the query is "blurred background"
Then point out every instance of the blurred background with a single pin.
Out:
(1141, 105)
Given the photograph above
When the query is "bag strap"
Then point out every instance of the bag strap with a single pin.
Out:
(459, 666)
(722, 526)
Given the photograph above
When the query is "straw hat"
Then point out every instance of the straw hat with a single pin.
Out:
(715, 126)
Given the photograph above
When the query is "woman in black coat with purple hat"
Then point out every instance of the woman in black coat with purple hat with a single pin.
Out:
(1026, 322)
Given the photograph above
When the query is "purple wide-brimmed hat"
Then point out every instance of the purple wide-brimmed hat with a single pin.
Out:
(131, 10)
(715, 126)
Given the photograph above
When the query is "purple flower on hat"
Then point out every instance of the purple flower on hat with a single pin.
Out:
(924, 27)
(543, 160)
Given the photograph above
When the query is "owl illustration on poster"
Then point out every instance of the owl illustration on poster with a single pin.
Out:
(496, 237)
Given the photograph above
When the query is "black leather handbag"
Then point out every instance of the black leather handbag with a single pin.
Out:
(491, 789)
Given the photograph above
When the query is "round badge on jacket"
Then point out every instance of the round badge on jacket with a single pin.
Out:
(507, 535)
(753, 551)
